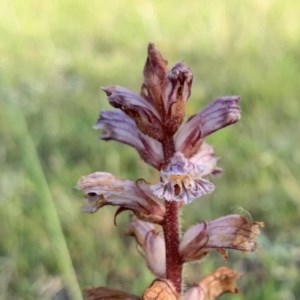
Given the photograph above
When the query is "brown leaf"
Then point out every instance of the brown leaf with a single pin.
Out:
(105, 293)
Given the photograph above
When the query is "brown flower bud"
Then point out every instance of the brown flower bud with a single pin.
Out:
(176, 93)
(155, 71)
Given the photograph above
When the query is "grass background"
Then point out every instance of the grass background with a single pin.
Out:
(55, 55)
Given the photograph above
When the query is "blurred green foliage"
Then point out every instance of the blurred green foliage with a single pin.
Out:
(55, 55)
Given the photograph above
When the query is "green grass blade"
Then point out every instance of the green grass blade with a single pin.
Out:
(35, 172)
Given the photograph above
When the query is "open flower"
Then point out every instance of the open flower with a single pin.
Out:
(182, 181)
(101, 188)
(229, 232)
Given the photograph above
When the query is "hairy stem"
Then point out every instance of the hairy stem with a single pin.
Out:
(171, 228)
(171, 233)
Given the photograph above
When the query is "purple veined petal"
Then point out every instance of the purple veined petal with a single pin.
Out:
(152, 152)
(126, 100)
(206, 160)
(119, 127)
(141, 111)
(181, 181)
(102, 188)
(229, 232)
(219, 113)
(152, 244)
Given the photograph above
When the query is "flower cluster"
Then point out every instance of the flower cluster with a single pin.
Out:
(153, 122)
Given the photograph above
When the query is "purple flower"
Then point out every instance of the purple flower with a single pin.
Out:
(182, 181)
(229, 232)
(101, 189)
(219, 113)
(116, 125)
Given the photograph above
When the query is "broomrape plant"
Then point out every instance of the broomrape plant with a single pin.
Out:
(153, 122)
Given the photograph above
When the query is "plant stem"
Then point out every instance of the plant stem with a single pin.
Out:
(171, 228)
(171, 233)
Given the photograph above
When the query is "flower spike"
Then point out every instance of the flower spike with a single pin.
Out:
(220, 113)
(153, 123)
